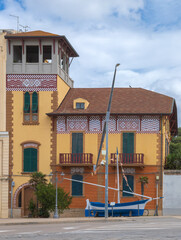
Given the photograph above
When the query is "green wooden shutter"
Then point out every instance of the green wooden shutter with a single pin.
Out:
(27, 159)
(128, 142)
(130, 179)
(34, 102)
(33, 160)
(77, 188)
(27, 102)
(30, 160)
(77, 146)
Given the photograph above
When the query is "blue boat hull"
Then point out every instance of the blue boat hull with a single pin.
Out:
(97, 209)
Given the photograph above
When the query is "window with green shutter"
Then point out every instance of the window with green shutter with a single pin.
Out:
(34, 102)
(77, 187)
(128, 147)
(130, 181)
(27, 102)
(30, 160)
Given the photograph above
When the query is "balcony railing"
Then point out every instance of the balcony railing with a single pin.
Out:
(65, 77)
(76, 159)
(128, 158)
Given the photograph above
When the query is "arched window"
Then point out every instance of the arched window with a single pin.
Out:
(30, 108)
(30, 156)
(77, 187)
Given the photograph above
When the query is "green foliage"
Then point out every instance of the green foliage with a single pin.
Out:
(174, 158)
(32, 208)
(143, 180)
(46, 194)
(37, 178)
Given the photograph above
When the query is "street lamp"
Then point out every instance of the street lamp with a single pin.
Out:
(107, 121)
(157, 181)
(56, 198)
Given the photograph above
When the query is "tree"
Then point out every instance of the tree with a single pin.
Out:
(174, 157)
(143, 181)
(45, 193)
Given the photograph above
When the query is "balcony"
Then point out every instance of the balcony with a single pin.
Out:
(128, 159)
(76, 159)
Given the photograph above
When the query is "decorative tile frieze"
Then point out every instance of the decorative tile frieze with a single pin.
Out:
(31, 82)
(77, 170)
(92, 124)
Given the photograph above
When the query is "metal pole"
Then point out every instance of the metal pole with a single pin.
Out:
(12, 185)
(56, 205)
(106, 173)
(118, 177)
(107, 129)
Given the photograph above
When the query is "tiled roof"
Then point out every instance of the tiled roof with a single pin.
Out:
(37, 33)
(124, 101)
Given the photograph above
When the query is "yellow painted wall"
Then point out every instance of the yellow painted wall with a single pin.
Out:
(144, 143)
(40, 133)
(62, 89)
(147, 144)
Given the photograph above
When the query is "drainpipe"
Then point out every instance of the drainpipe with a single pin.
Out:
(161, 173)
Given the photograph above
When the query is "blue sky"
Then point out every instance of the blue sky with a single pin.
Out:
(144, 36)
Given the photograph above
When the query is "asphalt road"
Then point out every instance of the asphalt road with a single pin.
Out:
(133, 228)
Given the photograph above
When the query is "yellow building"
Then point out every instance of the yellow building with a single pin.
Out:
(141, 125)
(37, 78)
(4, 136)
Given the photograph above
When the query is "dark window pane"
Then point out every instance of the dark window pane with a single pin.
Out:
(77, 187)
(130, 180)
(47, 54)
(17, 54)
(80, 105)
(32, 54)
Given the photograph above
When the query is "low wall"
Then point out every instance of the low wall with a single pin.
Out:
(172, 192)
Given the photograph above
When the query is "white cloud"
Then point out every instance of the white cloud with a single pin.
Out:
(143, 36)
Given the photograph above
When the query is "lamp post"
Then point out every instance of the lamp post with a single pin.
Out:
(56, 198)
(157, 181)
(12, 186)
(107, 129)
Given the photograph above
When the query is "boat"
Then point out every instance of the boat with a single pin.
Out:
(97, 209)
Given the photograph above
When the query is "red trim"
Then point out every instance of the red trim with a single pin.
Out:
(53, 46)
(40, 46)
(9, 46)
(23, 46)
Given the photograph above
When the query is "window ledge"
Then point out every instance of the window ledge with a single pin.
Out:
(78, 196)
(31, 123)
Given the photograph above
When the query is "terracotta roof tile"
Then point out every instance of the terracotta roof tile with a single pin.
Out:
(37, 33)
(124, 101)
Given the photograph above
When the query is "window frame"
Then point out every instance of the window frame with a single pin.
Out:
(80, 105)
(26, 145)
(31, 113)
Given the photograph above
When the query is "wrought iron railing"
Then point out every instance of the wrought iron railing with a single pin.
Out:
(128, 158)
(76, 158)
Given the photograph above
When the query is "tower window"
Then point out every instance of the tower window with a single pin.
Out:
(17, 54)
(47, 54)
(32, 54)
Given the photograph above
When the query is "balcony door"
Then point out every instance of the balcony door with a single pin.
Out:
(128, 147)
(77, 147)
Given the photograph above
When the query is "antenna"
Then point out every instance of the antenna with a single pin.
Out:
(24, 27)
(17, 21)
